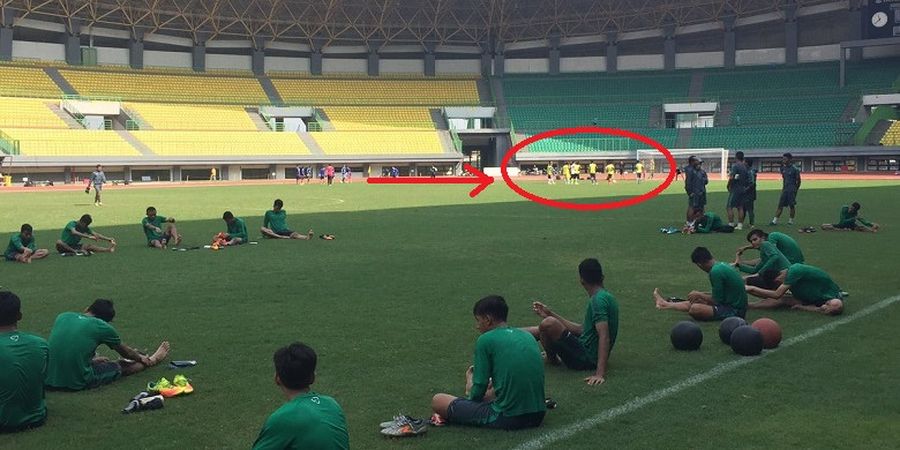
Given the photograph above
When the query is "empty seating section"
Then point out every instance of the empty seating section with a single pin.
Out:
(355, 118)
(546, 117)
(167, 88)
(379, 142)
(377, 92)
(221, 143)
(70, 143)
(29, 113)
(753, 83)
(588, 144)
(774, 136)
(789, 110)
(892, 135)
(192, 117)
(639, 88)
(27, 82)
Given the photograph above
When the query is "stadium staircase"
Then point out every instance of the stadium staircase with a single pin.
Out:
(437, 117)
(695, 91)
(64, 116)
(257, 120)
(878, 132)
(311, 143)
(656, 118)
(134, 142)
(723, 115)
(134, 116)
(851, 110)
(323, 120)
(269, 89)
(684, 138)
(60, 81)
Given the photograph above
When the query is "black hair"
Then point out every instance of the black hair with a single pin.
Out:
(103, 309)
(739, 156)
(702, 220)
(295, 365)
(278, 203)
(788, 156)
(748, 162)
(855, 206)
(86, 219)
(227, 216)
(492, 306)
(701, 255)
(26, 228)
(150, 208)
(10, 308)
(591, 271)
(762, 234)
(769, 275)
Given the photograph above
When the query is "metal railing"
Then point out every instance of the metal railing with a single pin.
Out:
(8, 145)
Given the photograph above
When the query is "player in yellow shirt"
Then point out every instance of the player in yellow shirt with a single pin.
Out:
(567, 174)
(610, 170)
(551, 173)
(639, 171)
(592, 170)
(576, 172)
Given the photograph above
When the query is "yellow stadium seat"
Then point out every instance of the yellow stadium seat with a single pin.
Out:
(222, 143)
(377, 92)
(28, 113)
(355, 118)
(166, 88)
(192, 117)
(27, 82)
(892, 135)
(53, 142)
(379, 142)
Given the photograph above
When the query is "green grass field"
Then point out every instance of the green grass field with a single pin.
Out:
(387, 306)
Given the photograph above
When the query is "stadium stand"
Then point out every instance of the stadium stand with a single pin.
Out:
(588, 89)
(379, 142)
(221, 143)
(351, 118)
(192, 117)
(28, 112)
(135, 86)
(70, 143)
(377, 92)
(892, 136)
(774, 136)
(27, 82)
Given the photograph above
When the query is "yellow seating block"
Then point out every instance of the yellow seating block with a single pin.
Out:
(193, 117)
(379, 142)
(355, 118)
(27, 81)
(377, 92)
(892, 135)
(28, 113)
(53, 142)
(222, 143)
(166, 88)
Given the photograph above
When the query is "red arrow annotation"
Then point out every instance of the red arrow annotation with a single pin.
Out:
(482, 180)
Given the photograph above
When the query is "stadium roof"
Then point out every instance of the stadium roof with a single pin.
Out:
(424, 22)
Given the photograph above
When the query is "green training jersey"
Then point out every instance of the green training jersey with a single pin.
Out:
(238, 229)
(727, 286)
(17, 244)
(275, 220)
(73, 341)
(769, 258)
(153, 235)
(511, 359)
(71, 239)
(308, 421)
(848, 219)
(787, 246)
(602, 307)
(23, 364)
(811, 285)
(712, 223)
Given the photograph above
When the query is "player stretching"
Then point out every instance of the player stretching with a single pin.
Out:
(160, 230)
(21, 246)
(728, 297)
(275, 224)
(850, 220)
(70, 241)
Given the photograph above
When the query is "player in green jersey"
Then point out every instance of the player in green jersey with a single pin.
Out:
(275, 224)
(728, 297)
(23, 365)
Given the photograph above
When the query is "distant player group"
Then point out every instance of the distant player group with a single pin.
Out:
(571, 172)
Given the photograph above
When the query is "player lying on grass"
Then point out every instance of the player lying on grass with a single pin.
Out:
(22, 248)
(586, 346)
(308, 419)
(236, 232)
(505, 386)
(811, 289)
(275, 224)
(708, 222)
(73, 343)
(769, 258)
(70, 241)
(23, 364)
(851, 221)
(160, 230)
(728, 297)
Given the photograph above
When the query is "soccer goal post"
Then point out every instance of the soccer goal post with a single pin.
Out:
(715, 160)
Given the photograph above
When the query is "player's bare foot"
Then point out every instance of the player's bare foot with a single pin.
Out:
(160, 354)
(309, 234)
(661, 302)
(177, 240)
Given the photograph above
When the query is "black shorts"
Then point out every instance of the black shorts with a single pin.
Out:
(757, 280)
(287, 233)
(104, 373)
(639, 175)
(593, 176)
(721, 312)
(11, 256)
(609, 176)
(24, 426)
(76, 247)
(572, 352)
(788, 198)
(466, 412)
(697, 200)
(736, 200)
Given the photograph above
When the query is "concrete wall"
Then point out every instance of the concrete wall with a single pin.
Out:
(819, 53)
(401, 66)
(881, 52)
(228, 62)
(531, 65)
(112, 56)
(155, 58)
(641, 62)
(456, 66)
(286, 64)
(38, 50)
(582, 64)
(758, 57)
(344, 65)
(699, 60)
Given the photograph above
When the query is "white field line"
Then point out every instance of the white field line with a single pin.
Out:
(639, 402)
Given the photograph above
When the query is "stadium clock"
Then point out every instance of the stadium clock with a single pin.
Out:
(879, 19)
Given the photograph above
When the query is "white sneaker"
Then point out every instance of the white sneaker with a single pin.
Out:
(739, 226)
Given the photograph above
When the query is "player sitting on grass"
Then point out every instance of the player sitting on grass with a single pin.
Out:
(784, 243)
(236, 233)
(586, 346)
(769, 258)
(850, 221)
(70, 242)
(23, 364)
(505, 386)
(308, 419)
(21, 246)
(708, 222)
(812, 289)
(74, 340)
(275, 226)
(728, 297)
(153, 227)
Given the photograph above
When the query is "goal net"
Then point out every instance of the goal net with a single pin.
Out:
(715, 160)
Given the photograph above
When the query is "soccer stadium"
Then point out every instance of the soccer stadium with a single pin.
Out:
(449, 223)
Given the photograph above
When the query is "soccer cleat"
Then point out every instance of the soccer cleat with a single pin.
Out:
(406, 427)
(164, 388)
(143, 402)
(182, 382)
(397, 419)
(437, 420)
(773, 223)
(550, 403)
